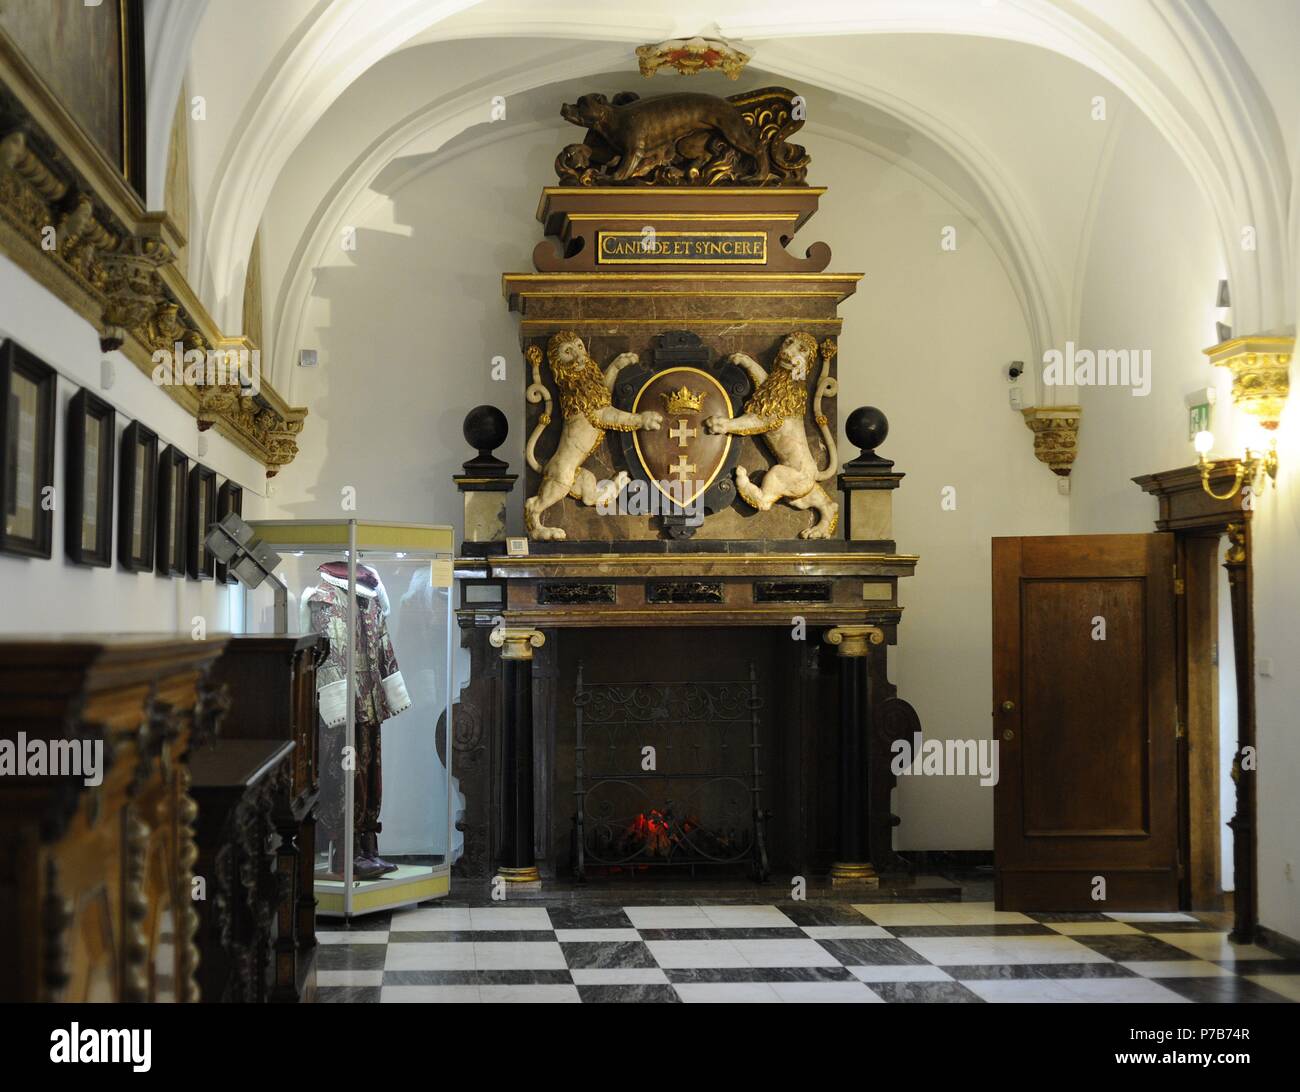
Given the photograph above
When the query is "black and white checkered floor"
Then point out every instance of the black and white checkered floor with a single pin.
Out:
(790, 951)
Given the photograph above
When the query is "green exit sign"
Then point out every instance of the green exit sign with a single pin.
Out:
(1198, 419)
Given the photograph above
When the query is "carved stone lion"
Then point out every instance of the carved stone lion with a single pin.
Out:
(776, 410)
(587, 410)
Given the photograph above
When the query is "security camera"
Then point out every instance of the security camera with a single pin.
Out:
(1015, 370)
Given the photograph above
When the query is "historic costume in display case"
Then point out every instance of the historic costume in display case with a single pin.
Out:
(380, 695)
(352, 581)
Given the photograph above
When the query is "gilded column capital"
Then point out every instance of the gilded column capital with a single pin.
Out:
(516, 642)
(854, 640)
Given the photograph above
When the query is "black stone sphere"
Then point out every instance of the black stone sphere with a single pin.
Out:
(486, 429)
(866, 428)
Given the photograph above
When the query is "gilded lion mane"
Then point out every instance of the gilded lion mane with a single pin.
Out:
(582, 385)
(779, 396)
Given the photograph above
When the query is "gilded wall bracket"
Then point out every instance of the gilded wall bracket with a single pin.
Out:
(1056, 435)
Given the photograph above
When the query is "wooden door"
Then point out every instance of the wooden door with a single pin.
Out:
(1084, 710)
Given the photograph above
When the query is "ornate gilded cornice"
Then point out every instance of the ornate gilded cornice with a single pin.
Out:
(71, 221)
(1056, 435)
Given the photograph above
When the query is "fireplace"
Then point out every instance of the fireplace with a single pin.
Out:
(675, 349)
(667, 775)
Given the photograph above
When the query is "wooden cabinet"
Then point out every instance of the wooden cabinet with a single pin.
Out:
(272, 685)
(96, 875)
(241, 787)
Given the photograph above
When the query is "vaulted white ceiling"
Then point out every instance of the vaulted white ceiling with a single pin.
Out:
(308, 102)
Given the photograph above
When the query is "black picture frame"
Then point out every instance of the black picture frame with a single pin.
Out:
(28, 391)
(137, 498)
(201, 508)
(90, 448)
(173, 468)
(230, 498)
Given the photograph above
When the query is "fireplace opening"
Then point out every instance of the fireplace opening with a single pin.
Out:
(668, 775)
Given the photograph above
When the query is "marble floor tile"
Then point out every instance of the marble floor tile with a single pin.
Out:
(606, 934)
(913, 972)
(696, 953)
(588, 916)
(847, 932)
(430, 957)
(439, 918)
(857, 953)
(509, 917)
(784, 953)
(618, 976)
(1176, 968)
(822, 913)
(524, 956)
(1135, 948)
(430, 995)
(901, 913)
(354, 936)
(668, 917)
(956, 951)
(1214, 946)
(349, 978)
(1229, 990)
(626, 953)
(1169, 915)
(647, 994)
(1091, 928)
(923, 992)
(730, 993)
(351, 957)
(348, 995)
(758, 974)
(1284, 985)
(725, 917)
(1122, 991)
(544, 995)
(825, 993)
(516, 976)
(1022, 991)
(980, 913)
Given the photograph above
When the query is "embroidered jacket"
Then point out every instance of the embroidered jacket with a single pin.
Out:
(380, 689)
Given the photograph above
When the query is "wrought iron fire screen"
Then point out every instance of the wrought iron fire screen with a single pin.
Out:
(668, 774)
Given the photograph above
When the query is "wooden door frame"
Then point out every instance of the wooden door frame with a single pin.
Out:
(1186, 509)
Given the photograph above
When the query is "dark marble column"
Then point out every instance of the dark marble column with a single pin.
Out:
(516, 861)
(852, 866)
(1237, 562)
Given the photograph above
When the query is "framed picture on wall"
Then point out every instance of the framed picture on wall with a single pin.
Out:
(202, 511)
(88, 472)
(90, 55)
(172, 469)
(28, 387)
(230, 498)
(138, 498)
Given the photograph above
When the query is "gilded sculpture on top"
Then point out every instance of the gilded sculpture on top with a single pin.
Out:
(777, 411)
(685, 139)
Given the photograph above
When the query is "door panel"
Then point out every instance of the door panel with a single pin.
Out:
(1084, 712)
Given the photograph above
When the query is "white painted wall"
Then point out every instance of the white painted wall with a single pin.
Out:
(40, 596)
(1150, 283)
(926, 339)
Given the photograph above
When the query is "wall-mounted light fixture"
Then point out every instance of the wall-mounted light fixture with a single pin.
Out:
(1261, 380)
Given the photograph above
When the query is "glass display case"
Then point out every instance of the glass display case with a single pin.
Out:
(384, 830)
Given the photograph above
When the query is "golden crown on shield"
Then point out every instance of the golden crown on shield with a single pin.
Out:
(683, 400)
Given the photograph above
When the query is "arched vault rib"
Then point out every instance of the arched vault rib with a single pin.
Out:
(1216, 127)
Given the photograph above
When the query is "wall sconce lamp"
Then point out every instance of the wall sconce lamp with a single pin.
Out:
(1254, 466)
(1261, 380)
